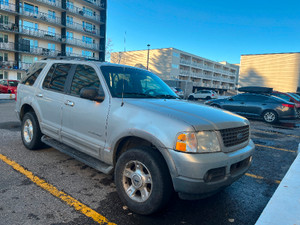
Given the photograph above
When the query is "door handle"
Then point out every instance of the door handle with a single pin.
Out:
(39, 95)
(69, 103)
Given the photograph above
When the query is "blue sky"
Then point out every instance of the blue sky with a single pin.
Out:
(217, 30)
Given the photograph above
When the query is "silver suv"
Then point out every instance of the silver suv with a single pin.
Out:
(126, 120)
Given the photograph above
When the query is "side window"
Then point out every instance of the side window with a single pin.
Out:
(240, 97)
(33, 73)
(56, 77)
(85, 76)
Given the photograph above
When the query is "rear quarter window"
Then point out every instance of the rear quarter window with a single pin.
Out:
(33, 73)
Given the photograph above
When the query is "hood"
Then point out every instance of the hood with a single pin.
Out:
(199, 116)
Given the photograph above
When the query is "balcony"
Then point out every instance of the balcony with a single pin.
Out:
(197, 75)
(183, 61)
(10, 46)
(38, 51)
(11, 27)
(80, 56)
(79, 27)
(8, 65)
(8, 7)
(184, 73)
(41, 16)
(84, 13)
(96, 3)
(55, 3)
(78, 42)
(40, 33)
(24, 66)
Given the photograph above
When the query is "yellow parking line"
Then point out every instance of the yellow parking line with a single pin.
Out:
(269, 132)
(57, 193)
(281, 149)
(259, 177)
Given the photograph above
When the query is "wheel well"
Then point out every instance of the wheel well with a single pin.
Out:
(131, 142)
(25, 108)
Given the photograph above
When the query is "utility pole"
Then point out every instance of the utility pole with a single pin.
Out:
(148, 45)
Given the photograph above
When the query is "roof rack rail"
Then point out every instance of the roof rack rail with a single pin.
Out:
(68, 58)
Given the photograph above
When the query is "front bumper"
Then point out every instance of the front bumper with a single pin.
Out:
(200, 175)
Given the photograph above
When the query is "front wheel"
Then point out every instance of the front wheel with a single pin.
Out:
(191, 97)
(31, 132)
(270, 116)
(143, 181)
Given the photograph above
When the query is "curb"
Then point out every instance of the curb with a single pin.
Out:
(284, 206)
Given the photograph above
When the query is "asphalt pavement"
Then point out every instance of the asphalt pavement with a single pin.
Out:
(23, 201)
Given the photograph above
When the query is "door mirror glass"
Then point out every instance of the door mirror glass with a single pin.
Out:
(91, 93)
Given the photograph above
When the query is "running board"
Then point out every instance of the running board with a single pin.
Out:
(80, 156)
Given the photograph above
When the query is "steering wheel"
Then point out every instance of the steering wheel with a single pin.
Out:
(150, 92)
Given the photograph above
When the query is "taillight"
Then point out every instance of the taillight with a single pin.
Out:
(288, 105)
(212, 95)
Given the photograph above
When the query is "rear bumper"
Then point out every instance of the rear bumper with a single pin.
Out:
(200, 175)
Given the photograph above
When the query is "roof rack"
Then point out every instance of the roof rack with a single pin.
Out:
(68, 58)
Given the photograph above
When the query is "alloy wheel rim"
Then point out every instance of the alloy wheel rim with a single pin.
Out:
(28, 131)
(269, 117)
(137, 181)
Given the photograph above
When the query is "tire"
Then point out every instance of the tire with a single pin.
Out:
(143, 164)
(270, 116)
(298, 114)
(208, 97)
(191, 97)
(30, 132)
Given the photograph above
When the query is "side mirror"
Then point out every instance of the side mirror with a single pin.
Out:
(91, 93)
(230, 99)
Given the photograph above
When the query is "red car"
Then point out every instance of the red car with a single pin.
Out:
(8, 86)
(291, 98)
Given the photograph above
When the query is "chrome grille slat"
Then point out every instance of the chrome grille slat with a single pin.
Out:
(235, 136)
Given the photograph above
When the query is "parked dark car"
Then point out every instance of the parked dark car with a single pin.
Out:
(8, 86)
(290, 97)
(267, 107)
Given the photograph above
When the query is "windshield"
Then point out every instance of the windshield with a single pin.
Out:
(13, 83)
(297, 97)
(135, 83)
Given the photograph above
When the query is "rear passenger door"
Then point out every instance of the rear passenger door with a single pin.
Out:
(50, 98)
(83, 120)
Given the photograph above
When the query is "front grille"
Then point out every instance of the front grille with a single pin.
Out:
(235, 136)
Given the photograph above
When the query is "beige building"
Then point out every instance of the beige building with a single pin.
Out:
(190, 70)
(35, 29)
(279, 71)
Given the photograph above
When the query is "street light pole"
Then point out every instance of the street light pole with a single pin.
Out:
(148, 45)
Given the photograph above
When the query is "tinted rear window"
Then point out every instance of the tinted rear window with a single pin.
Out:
(13, 83)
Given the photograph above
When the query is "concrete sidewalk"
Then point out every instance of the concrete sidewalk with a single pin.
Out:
(284, 206)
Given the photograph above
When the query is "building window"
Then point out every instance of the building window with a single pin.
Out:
(51, 15)
(3, 19)
(69, 35)
(70, 5)
(51, 46)
(88, 11)
(69, 50)
(69, 20)
(87, 54)
(30, 26)
(5, 75)
(4, 2)
(31, 8)
(1, 75)
(3, 38)
(51, 1)
(87, 40)
(3, 56)
(51, 31)
(175, 54)
(175, 66)
(88, 26)
(19, 76)
(33, 43)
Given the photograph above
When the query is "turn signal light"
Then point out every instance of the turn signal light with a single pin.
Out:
(288, 105)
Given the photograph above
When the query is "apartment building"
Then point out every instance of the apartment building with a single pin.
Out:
(281, 71)
(190, 70)
(35, 29)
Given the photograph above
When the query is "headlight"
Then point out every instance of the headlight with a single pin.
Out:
(198, 142)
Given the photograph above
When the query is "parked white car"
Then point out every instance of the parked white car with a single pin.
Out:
(204, 94)
(178, 91)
